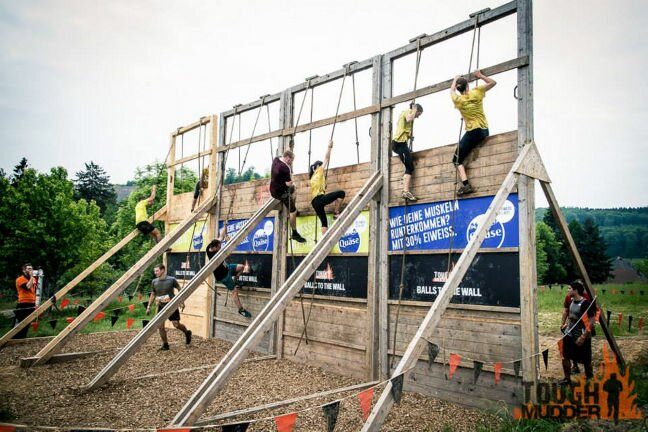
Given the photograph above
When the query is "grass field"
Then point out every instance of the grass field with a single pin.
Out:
(626, 299)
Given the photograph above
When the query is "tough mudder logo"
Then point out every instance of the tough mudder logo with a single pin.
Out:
(607, 396)
(326, 274)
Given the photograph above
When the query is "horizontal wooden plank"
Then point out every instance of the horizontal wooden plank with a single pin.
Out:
(191, 126)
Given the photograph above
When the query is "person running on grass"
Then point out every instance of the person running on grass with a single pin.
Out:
(321, 199)
(470, 105)
(164, 287)
(282, 188)
(228, 274)
(401, 148)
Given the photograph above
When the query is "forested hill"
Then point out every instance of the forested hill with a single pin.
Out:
(624, 229)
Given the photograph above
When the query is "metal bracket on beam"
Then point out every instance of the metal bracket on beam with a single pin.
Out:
(310, 78)
(346, 66)
(421, 36)
(479, 12)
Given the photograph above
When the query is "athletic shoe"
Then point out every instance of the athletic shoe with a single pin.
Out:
(245, 313)
(408, 196)
(164, 347)
(188, 337)
(297, 237)
(465, 189)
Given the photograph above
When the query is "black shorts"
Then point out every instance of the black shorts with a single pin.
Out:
(145, 227)
(579, 354)
(288, 200)
(321, 201)
(175, 316)
(469, 141)
(404, 154)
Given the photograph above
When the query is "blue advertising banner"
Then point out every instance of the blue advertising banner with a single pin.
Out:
(431, 226)
(261, 239)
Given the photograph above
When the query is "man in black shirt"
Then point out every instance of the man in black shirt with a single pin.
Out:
(577, 343)
(163, 291)
(282, 188)
(228, 274)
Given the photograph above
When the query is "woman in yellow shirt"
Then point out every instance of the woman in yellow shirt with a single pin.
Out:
(470, 105)
(321, 199)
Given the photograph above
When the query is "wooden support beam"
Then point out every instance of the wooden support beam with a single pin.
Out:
(119, 286)
(77, 280)
(250, 106)
(573, 251)
(433, 318)
(374, 108)
(200, 400)
(26, 362)
(159, 319)
(191, 126)
(193, 369)
(190, 158)
(273, 405)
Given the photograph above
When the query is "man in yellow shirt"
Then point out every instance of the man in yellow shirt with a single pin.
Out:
(470, 105)
(141, 217)
(400, 147)
(321, 199)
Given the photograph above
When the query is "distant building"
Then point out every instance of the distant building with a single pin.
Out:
(624, 272)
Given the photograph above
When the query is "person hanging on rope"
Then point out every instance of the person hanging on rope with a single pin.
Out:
(200, 186)
(282, 188)
(470, 105)
(577, 343)
(164, 287)
(228, 274)
(26, 285)
(401, 148)
(141, 216)
(321, 199)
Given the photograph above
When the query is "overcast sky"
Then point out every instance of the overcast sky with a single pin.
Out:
(108, 81)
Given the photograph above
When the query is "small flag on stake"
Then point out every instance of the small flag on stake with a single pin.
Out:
(145, 304)
(131, 307)
(80, 310)
(52, 323)
(331, 414)
(99, 316)
(130, 297)
(455, 359)
(640, 324)
(366, 397)
(34, 325)
(113, 320)
(498, 372)
(69, 320)
(64, 303)
(516, 368)
(237, 427)
(620, 318)
(144, 322)
(629, 322)
(129, 323)
(286, 422)
(545, 358)
(397, 388)
(433, 352)
(477, 368)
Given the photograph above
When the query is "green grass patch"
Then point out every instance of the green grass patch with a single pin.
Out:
(615, 298)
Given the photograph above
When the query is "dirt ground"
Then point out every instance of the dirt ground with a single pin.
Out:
(52, 395)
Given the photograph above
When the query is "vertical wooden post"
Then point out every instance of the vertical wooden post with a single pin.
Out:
(212, 228)
(526, 204)
(281, 228)
(385, 152)
(377, 225)
(169, 191)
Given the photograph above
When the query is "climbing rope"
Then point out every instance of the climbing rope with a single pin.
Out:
(416, 72)
(355, 119)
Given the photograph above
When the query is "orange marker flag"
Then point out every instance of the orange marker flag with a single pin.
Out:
(560, 348)
(586, 322)
(131, 307)
(69, 320)
(129, 322)
(174, 430)
(620, 319)
(99, 316)
(34, 325)
(286, 422)
(64, 303)
(455, 359)
(597, 317)
(640, 324)
(7, 428)
(366, 397)
(498, 371)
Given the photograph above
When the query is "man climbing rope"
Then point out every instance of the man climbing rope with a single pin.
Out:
(321, 199)
(400, 147)
(282, 188)
(470, 105)
(141, 215)
(164, 287)
(228, 274)
(26, 285)
(200, 185)
(577, 344)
